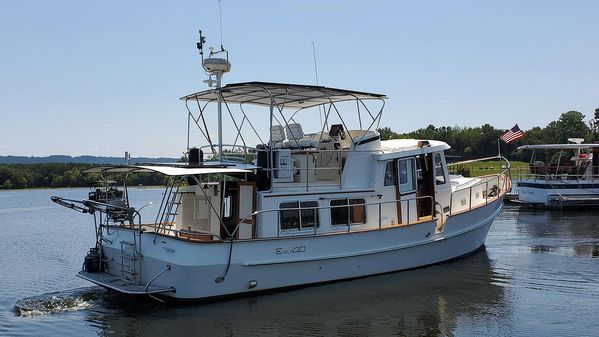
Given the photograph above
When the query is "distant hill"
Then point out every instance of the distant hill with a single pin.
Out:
(81, 159)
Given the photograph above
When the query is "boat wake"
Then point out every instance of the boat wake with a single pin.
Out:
(57, 302)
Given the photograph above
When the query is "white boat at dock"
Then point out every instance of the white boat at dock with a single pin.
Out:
(569, 182)
(296, 209)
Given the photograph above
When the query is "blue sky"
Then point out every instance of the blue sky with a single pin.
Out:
(102, 78)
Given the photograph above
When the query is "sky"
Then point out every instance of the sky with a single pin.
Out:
(104, 77)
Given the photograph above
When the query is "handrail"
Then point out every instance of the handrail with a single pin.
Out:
(550, 172)
(168, 267)
(501, 189)
(278, 210)
(178, 232)
(500, 157)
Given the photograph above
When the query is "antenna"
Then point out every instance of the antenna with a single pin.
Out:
(200, 44)
(220, 16)
(316, 75)
(315, 67)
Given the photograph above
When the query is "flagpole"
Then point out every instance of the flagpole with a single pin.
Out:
(498, 147)
(499, 153)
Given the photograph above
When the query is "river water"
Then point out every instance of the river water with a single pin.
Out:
(536, 276)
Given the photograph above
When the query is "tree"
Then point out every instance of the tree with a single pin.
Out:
(569, 125)
(594, 126)
(386, 133)
(7, 184)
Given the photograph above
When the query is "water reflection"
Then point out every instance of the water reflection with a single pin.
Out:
(428, 301)
(563, 232)
(587, 250)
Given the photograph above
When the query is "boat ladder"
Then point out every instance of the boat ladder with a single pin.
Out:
(130, 258)
(171, 207)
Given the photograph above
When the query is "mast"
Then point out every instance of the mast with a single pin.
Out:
(219, 76)
(215, 66)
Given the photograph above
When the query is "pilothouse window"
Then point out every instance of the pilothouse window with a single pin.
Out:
(439, 169)
(389, 176)
(299, 215)
(356, 212)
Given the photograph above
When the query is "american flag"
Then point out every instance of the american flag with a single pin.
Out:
(512, 135)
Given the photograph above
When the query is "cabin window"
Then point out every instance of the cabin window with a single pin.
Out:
(354, 210)
(389, 176)
(407, 175)
(439, 169)
(298, 215)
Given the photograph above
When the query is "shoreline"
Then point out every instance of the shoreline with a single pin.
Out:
(143, 187)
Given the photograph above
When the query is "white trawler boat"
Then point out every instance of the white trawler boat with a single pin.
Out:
(560, 182)
(298, 208)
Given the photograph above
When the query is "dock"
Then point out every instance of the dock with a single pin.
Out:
(561, 201)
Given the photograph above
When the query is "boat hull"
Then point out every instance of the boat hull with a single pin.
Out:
(202, 270)
(558, 193)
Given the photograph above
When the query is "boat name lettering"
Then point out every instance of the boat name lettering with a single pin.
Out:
(294, 250)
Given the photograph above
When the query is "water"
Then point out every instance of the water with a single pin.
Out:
(537, 276)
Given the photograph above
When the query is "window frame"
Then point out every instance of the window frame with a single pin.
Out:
(299, 207)
(349, 216)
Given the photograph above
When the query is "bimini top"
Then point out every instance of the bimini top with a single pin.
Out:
(557, 146)
(284, 95)
(166, 170)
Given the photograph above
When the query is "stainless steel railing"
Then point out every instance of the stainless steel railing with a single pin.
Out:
(495, 186)
(554, 172)
(349, 226)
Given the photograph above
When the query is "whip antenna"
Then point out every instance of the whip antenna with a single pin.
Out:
(316, 75)
(220, 17)
(315, 67)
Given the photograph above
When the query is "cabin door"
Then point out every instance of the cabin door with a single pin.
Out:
(425, 185)
(246, 199)
(406, 190)
(442, 184)
(390, 212)
(239, 202)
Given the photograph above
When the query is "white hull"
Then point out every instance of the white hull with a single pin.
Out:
(558, 192)
(284, 262)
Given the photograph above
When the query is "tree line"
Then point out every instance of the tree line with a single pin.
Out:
(479, 142)
(81, 159)
(14, 176)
